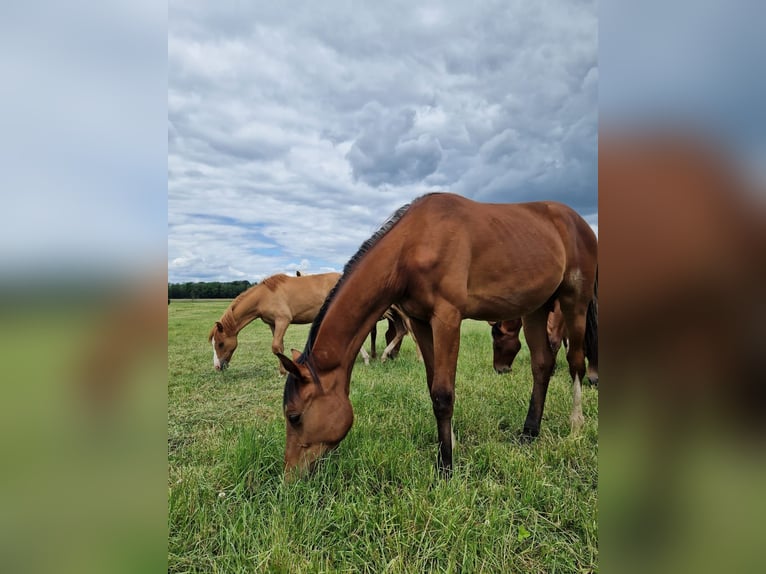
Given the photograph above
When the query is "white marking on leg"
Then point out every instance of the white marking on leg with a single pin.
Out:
(365, 356)
(576, 278)
(216, 362)
(576, 419)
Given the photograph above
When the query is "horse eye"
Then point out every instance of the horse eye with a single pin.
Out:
(294, 418)
(220, 345)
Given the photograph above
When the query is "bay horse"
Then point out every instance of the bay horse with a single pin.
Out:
(444, 258)
(506, 343)
(279, 300)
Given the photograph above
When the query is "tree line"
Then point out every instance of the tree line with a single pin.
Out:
(207, 289)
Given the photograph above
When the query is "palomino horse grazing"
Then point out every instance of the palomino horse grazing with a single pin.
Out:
(278, 301)
(506, 343)
(442, 259)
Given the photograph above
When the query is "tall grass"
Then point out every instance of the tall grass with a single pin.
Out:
(376, 504)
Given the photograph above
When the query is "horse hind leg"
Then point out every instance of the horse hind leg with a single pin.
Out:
(575, 317)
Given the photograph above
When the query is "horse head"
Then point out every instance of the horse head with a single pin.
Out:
(224, 345)
(505, 344)
(317, 414)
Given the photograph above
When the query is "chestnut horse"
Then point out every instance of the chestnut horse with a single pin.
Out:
(278, 301)
(284, 301)
(506, 343)
(444, 258)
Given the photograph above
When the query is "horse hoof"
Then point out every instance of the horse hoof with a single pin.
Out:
(527, 436)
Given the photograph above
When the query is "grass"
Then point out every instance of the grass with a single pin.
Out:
(375, 504)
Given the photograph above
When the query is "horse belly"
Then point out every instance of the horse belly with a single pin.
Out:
(512, 294)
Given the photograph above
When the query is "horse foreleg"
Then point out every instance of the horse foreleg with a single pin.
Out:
(277, 342)
(445, 325)
(373, 336)
(424, 333)
(542, 359)
(365, 356)
(391, 330)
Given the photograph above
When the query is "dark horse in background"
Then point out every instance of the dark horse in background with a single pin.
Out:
(506, 343)
(442, 259)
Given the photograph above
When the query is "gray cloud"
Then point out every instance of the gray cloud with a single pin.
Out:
(386, 151)
(312, 126)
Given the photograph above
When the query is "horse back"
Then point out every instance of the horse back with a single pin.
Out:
(493, 261)
(302, 297)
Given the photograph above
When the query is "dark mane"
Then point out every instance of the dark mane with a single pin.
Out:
(349, 268)
(291, 382)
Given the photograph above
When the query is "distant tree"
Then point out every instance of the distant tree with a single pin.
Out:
(207, 289)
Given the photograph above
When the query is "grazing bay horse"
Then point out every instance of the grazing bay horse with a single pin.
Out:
(278, 301)
(506, 343)
(444, 258)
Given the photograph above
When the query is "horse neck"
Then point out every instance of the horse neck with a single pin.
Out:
(244, 311)
(358, 304)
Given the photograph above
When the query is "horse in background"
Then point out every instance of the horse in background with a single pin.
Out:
(398, 326)
(442, 259)
(506, 343)
(279, 301)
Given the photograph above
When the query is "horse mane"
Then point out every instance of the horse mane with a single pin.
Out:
(271, 283)
(348, 269)
(274, 281)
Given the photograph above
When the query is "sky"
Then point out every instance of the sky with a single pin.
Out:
(294, 132)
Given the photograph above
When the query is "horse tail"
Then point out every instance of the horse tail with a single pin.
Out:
(591, 327)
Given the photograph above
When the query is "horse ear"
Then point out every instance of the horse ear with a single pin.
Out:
(296, 353)
(219, 326)
(289, 366)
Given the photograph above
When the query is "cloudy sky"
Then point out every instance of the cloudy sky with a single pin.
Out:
(295, 130)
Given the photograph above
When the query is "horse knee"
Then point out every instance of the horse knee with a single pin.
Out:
(542, 367)
(443, 401)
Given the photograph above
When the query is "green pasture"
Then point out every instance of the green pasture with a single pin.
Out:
(376, 504)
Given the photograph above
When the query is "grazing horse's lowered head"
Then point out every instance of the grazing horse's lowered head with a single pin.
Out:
(224, 345)
(316, 418)
(505, 344)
